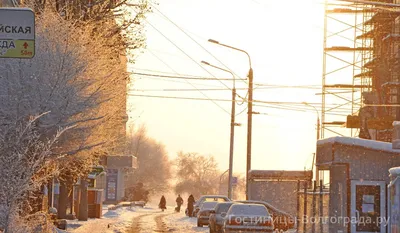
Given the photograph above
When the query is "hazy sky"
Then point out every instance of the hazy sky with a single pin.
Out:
(284, 40)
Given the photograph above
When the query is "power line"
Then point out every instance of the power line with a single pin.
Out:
(165, 53)
(178, 97)
(166, 64)
(184, 52)
(187, 89)
(241, 111)
(286, 107)
(189, 76)
(178, 90)
(158, 72)
(223, 100)
(181, 29)
(183, 82)
(270, 86)
(182, 77)
(227, 100)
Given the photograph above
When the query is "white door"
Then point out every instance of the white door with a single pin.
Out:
(368, 202)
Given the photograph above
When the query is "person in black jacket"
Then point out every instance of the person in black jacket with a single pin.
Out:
(179, 202)
(163, 203)
(190, 205)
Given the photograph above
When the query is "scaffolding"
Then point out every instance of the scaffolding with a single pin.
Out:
(345, 53)
(360, 81)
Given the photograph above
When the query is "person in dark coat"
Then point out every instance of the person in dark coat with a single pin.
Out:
(190, 205)
(179, 202)
(163, 203)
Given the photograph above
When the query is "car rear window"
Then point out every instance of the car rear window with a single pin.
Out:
(217, 199)
(209, 205)
(223, 207)
(244, 209)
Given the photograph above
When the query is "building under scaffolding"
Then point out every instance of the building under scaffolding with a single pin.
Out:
(360, 98)
(360, 82)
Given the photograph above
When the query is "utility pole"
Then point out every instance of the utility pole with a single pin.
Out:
(318, 137)
(233, 124)
(318, 128)
(232, 142)
(249, 130)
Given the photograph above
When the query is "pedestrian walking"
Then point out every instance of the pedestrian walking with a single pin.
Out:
(190, 205)
(163, 203)
(179, 202)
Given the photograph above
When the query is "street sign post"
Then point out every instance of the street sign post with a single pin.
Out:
(17, 33)
(234, 180)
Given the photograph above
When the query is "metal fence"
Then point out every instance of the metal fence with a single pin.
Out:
(312, 208)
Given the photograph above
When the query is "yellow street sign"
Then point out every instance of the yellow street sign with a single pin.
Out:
(17, 33)
(17, 48)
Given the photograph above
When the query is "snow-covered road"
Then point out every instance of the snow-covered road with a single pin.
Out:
(137, 220)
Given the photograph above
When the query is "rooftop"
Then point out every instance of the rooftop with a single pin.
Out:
(368, 144)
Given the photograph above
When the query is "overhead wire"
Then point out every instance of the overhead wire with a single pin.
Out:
(273, 105)
(208, 89)
(182, 30)
(180, 49)
(183, 90)
(201, 46)
(244, 99)
(181, 77)
(166, 64)
(177, 81)
(185, 76)
(198, 43)
(261, 103)
(186, 80)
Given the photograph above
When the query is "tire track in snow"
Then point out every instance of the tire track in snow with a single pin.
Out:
(161, 225)
(136, 221)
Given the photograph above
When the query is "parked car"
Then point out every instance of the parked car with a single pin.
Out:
(216, 221)
(216, 198)
(282, 220)
(204, 212)
(247, 218)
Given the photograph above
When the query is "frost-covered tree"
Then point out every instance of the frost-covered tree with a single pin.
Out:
(154, 167)
(78, 79)
(196, 174)
(24, 154)
(59, 81)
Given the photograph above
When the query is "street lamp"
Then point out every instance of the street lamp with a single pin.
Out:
(232, 139)
(249, 113)
(318, 137)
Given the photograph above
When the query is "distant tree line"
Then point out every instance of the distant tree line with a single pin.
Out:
(199, 175)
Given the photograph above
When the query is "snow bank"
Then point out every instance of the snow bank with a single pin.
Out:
(112, 221)
(395, 171)
(181, 223)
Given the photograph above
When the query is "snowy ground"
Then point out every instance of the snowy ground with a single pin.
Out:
(112, 221)
(137, 220)
(179, 222)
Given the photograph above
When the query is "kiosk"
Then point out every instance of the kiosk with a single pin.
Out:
(358, 180)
